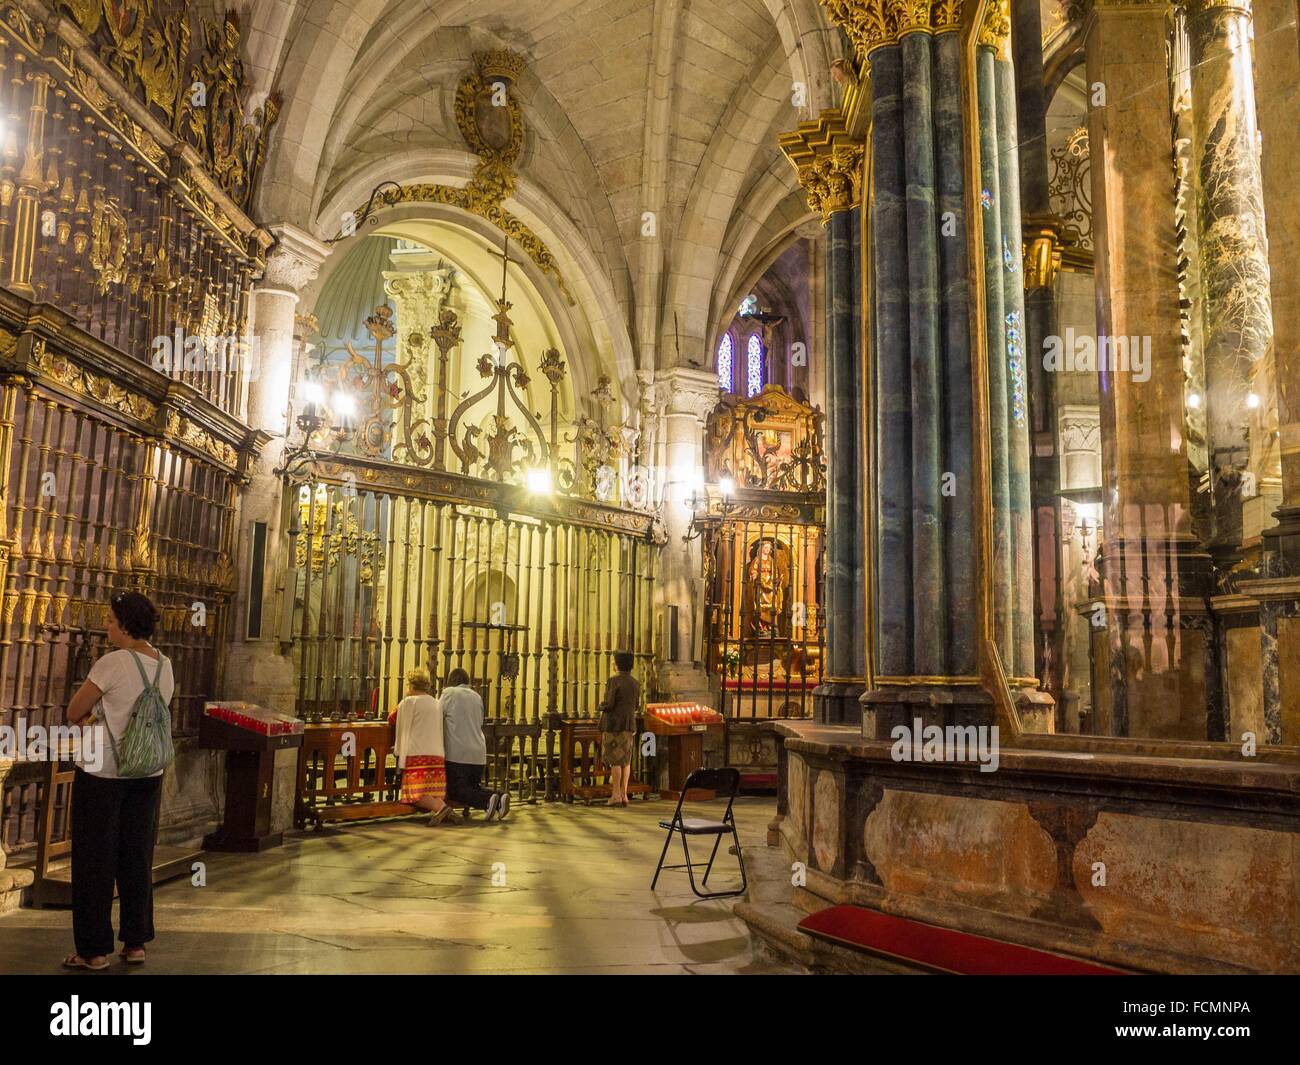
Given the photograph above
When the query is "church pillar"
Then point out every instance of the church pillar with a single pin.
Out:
(1234, 274)
(1005, 336)
(1277, 94)
(1155, 673)
(1042, 260)
(830, 164)
(930, 567)
(684, 398)
(256, 670)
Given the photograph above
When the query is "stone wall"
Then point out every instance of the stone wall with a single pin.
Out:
(1180, 865)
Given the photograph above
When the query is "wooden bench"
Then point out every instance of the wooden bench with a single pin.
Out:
(582, 775)
(942, 950)
(52, 885)
(366, 788)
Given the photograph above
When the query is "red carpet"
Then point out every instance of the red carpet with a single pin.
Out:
(944, 949)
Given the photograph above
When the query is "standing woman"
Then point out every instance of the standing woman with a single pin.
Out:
(417, 723)
(115, 815)
(618, 710)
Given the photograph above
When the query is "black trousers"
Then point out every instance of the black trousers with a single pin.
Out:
(114, 825)
(463, 787)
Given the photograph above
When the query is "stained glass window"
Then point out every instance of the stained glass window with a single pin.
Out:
(725, 350)
(754, 366)
(748, 306)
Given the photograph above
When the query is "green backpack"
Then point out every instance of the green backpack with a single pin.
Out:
(147, 741)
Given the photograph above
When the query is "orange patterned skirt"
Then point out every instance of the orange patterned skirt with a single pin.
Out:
(424, 777)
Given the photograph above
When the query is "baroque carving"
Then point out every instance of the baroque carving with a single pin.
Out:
(185, 431)
(995, 30)
(872, 24)
(63, 371)
(491, 123)
(231, 138)
(108, 242)
(828, 161)
(769, 441)
(146, 44)
(833, 182)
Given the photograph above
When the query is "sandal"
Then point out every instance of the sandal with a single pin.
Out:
(132, 955)
(76, 961)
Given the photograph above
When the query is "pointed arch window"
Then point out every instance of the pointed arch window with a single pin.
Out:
(726, 363)
(754, 366)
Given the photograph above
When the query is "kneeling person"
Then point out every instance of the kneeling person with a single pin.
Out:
(462, 723)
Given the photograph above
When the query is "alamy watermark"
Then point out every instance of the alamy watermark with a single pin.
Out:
(37, 743)
(180, 353)
(1084, 352)
(946, 743)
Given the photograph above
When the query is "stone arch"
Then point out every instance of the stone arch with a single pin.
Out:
(592, 326)
(810, 44)
(718, 186)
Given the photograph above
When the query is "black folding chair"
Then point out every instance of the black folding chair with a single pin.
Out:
(722, 782)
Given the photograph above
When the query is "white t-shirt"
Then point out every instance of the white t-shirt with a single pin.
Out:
(118, 678)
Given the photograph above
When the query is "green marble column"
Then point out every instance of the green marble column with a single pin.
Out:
(1008, 378)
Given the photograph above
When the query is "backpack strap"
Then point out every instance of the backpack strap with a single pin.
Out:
(144, 679)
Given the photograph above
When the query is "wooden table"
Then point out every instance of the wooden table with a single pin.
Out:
(683, 745)
(250, 778)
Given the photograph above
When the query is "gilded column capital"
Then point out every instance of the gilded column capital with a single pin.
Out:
(872, 24)
(828, 161)
(1042, 250)
(995, 30)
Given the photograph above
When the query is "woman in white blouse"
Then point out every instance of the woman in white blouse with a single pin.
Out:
(115, 818)
(417, 722)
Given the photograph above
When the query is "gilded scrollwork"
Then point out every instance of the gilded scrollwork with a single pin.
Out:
(63, 371)
(770, 441)
(144, 42)
(108, 244)
(230, 136)
(484, 100)
(182, 429)
(200, 98)
(872, 24)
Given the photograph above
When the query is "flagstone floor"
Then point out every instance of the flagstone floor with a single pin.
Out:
(554, 889)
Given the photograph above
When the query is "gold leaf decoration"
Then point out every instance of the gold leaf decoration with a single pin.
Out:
(104, 390)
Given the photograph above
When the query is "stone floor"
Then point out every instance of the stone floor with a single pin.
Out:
(399, 897)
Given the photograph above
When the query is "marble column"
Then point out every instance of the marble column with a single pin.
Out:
(829, 163)
(256, 670)
(683, 399)
(1007, 355)
(844, 606)
(1042, 259)
(924, 566)
(924, 593)
(1234, 273)
(1277, 95)
(1156, 671)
